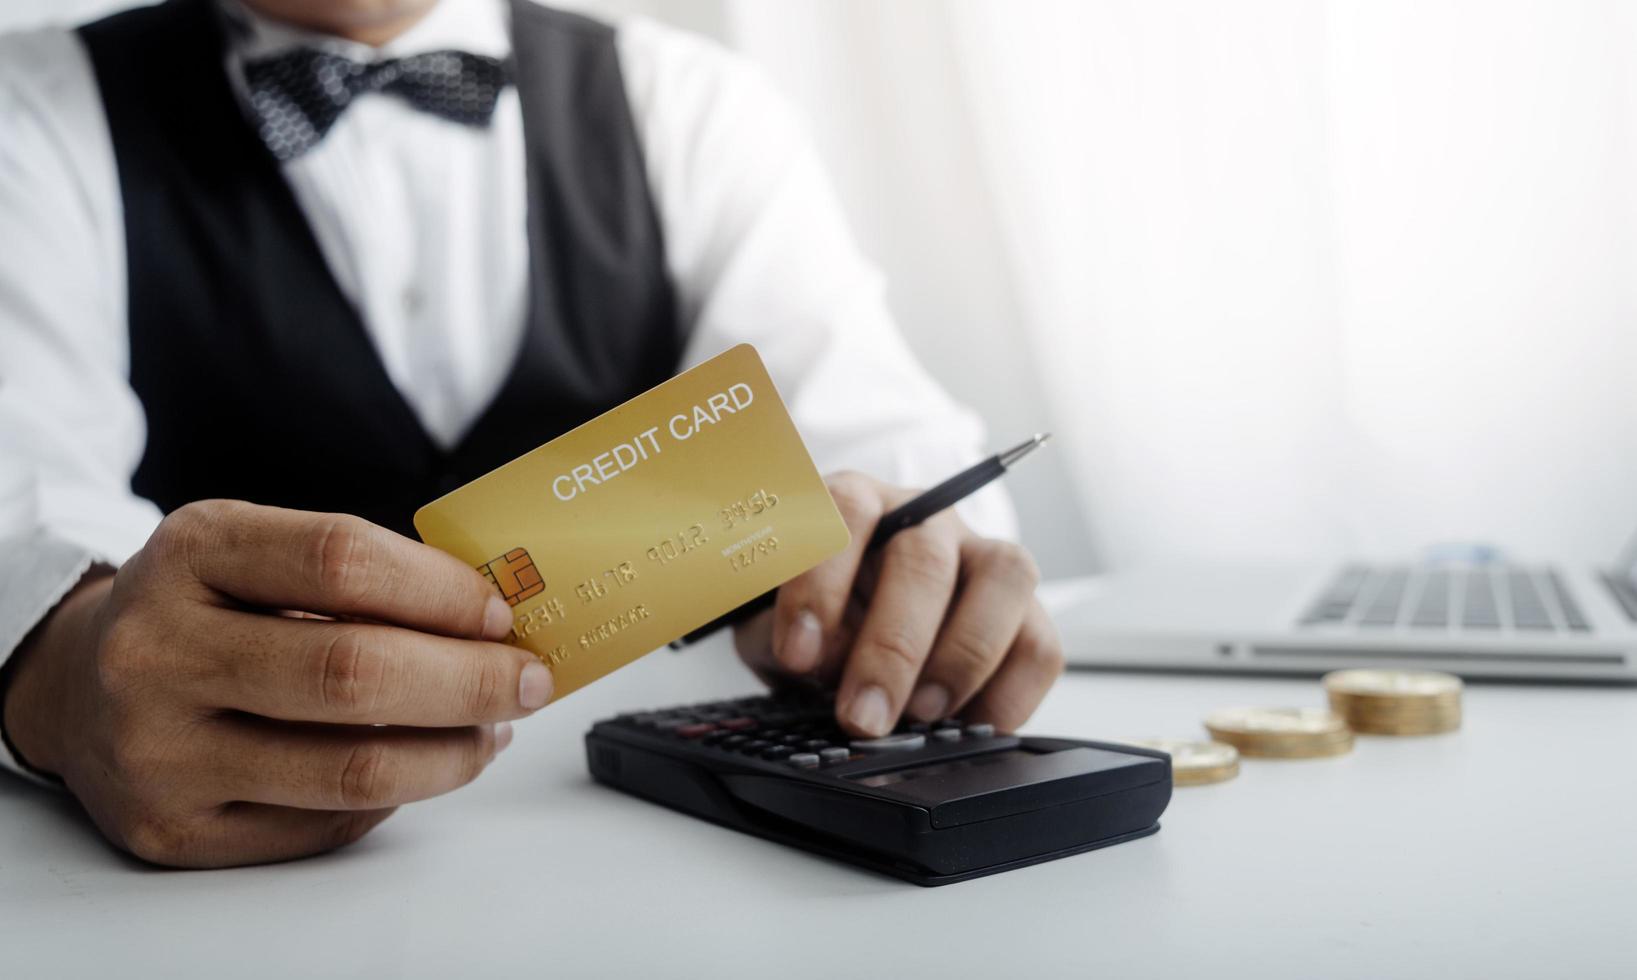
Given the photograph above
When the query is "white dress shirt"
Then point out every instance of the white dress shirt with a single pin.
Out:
(422, 222)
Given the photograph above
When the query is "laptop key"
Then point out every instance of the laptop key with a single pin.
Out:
(1383, 607)
(1572, 616)
(1479, 609)
(1528, 608)
(1432, 608)
(1336, 601)
(1623, 592)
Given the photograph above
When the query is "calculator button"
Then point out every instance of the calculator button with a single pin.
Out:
(834, 754)
(696, 729)
(734, 741)
(739, 724)
(947, 734)
(777, 752)
(754, 746)
(900, 742)
(918, 727)
(814, 744)
(804, 760)
(980, 731)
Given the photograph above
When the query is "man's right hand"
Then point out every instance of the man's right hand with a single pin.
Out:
(258, 684)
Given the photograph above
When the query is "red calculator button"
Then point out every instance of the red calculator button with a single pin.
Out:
(739, 724)
(696, 730)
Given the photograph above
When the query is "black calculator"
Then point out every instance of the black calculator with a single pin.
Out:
(932, 804)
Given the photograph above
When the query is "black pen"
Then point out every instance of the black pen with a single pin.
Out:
(907, 515)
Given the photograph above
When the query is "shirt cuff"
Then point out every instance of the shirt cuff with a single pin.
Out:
(36, 571)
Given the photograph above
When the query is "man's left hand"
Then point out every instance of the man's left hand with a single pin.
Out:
(939, 621)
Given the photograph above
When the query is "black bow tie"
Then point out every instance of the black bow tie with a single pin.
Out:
(297, 96)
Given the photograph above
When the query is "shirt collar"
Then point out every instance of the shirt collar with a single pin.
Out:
(475, 26)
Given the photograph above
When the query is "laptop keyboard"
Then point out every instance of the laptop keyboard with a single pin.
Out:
(1485, 598)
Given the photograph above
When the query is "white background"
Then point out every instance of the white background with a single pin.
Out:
(1289, 278)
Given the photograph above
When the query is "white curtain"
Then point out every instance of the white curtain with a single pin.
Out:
(1295, 278)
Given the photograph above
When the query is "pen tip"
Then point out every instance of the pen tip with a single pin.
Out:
(1023, 449)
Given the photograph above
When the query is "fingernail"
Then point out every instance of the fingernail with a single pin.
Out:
(497, 619)
(534, 686)
(803, 643)
(929, 702)
(503, 736)
(869, 712)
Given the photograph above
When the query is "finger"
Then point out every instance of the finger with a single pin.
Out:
(359, 673)
(918, 572)
(998, 583)
(808, 616)
(751, 641)
(248, 833)
(1028, 672)
(334, 564)
(326, 768)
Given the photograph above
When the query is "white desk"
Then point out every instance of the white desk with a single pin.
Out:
(1506, 850)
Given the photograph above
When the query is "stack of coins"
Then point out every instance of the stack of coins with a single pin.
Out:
(1396, 702)
(1194, 763)
(1281, 733)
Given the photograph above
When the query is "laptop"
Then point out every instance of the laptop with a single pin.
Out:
(1482, 619)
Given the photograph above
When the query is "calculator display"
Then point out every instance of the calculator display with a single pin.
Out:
(880, 779)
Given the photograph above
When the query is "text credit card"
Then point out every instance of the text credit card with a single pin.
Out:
(646, 522)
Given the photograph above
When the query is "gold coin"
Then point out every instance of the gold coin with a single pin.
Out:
(1351, 708)
(1287, 733)
(1396, 702)
(1410, 728)
(1194, 763)
(1429, 725)
(1393, 683)
(1276, 722)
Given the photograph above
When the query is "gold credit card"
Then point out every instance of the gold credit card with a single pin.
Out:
(646, 522)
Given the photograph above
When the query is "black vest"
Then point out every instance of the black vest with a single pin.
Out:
(257, 377)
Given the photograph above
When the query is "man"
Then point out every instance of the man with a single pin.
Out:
(283, 270)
